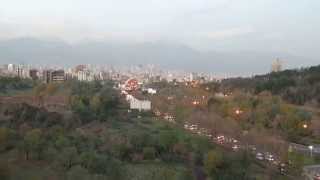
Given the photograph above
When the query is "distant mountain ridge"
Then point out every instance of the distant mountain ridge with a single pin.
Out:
(165, 55)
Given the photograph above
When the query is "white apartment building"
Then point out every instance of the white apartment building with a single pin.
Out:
(84, 76)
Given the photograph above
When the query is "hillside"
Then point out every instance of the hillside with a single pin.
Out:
(297, 86)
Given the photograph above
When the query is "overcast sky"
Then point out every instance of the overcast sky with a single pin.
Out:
(290, 26)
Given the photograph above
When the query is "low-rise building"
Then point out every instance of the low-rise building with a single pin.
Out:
(141, 105)
(149, 90)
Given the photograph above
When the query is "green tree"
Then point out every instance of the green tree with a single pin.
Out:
(149, 153)
(297, 161)
(62, 142)
(167, 139)
(78, 173)
(68, 157)
(212, 161)
(95, 103)
(6, 138)
(33, 143)
(104, 165)
(5, 171)
(87, 159)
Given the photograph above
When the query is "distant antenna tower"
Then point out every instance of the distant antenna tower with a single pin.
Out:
(276, 65)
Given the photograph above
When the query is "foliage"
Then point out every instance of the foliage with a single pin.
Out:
(296, 86)
(33, 143)
(94, 101)
(7, 138)
(10, 84)
(4, 171)
(212, 162)
(265, 112)
(149, 153)
(98, 140)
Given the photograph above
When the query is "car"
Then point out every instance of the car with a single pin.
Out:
(235, 147)
(252, 148)
(259, 156)
(282, 168)
(220, 139)
(269, 157)
(276, 162)
(193, 127)
(235, 141)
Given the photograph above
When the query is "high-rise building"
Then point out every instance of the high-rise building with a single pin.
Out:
(46, 76)
(19, 71)
(276, 66)
(33, 74)
(53, 76)
(58, 76)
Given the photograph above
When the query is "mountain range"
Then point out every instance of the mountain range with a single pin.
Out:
(162, 54)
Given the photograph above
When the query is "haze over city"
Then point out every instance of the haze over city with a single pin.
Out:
(159, 90)
(223, 36)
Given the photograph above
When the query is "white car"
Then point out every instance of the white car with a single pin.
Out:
(235, 141)
(253, 148)
(269, 157)
(221, 139)
(259, 156)
(235, 147)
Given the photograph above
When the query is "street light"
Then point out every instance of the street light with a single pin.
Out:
(195, 103)
(311, 148)
(305, 126)
(238, 112)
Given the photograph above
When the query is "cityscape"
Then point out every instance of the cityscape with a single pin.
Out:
(159, 90)
(147, 73)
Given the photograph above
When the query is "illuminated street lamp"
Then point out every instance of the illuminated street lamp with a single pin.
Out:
(195, 102)
(238, 112)
(311, 148)
(305, 126)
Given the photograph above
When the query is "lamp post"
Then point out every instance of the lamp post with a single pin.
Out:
(311, 149)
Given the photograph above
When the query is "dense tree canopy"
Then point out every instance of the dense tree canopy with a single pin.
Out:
(296, 86)
(8, 85)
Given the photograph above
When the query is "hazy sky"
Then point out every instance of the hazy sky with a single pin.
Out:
(291, 26)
